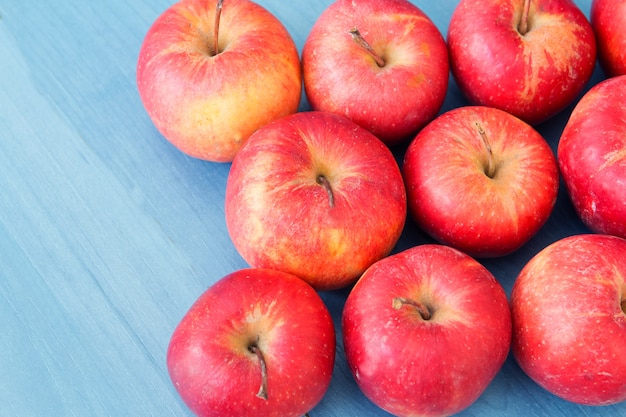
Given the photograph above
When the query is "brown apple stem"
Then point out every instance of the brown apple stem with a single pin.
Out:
(523, 26)
(623, 304)
(254, 348)
(216, 27)
(323, 181)
(421, 308)
(490, 171)
(356, 36)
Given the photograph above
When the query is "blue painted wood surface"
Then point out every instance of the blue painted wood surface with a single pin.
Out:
(108, 234)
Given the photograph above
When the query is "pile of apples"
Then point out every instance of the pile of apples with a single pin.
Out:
(316, 200)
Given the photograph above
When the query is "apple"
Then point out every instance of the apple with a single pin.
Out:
(381, 63)
(569, 319)
(592, 157)
(316, 195)
(481, 180)
(425, 331)
(258, 342)
(209, 74)
(529, 58)
(608, 19)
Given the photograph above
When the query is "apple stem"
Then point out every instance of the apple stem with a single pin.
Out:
(491, 166)
(421, 308)
(356, 36)
(523, 26)
(216, 26)
(323, 181)
(623, 304)
(254, 348)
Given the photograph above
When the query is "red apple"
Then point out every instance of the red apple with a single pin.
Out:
(608, 19)
(257, 343)
(209, 78)
(383, 64)
(569, 319)
(480, 180)
(425, 331)
(592, 157)
(315, 195)
(530, 58)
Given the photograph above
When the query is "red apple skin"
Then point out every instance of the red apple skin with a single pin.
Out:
(279, 216)
(208, 105)
(608, 19)
(214, 371)
(569, 329)
(409, 366)
(452, 197)
(592, 157)
(394, 101)
(534, 76)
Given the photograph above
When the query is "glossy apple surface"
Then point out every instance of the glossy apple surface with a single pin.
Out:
(256, 343)
(425, 331)
(608, 19)
(480, 180)
(393, 98)
(531, 70)
(592, 157)
(206, 103)
(569, 323)
(315, 195)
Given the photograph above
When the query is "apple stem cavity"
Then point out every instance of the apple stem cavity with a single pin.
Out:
(524, 26)
(358, 38)
(421, 308)
(323, 181)
(623, 305)
(216, 26)
(490, 171)
(254, 348)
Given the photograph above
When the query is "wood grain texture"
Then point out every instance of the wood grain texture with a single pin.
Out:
(108, 234)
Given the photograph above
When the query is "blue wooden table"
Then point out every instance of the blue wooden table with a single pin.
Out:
(108, 234)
